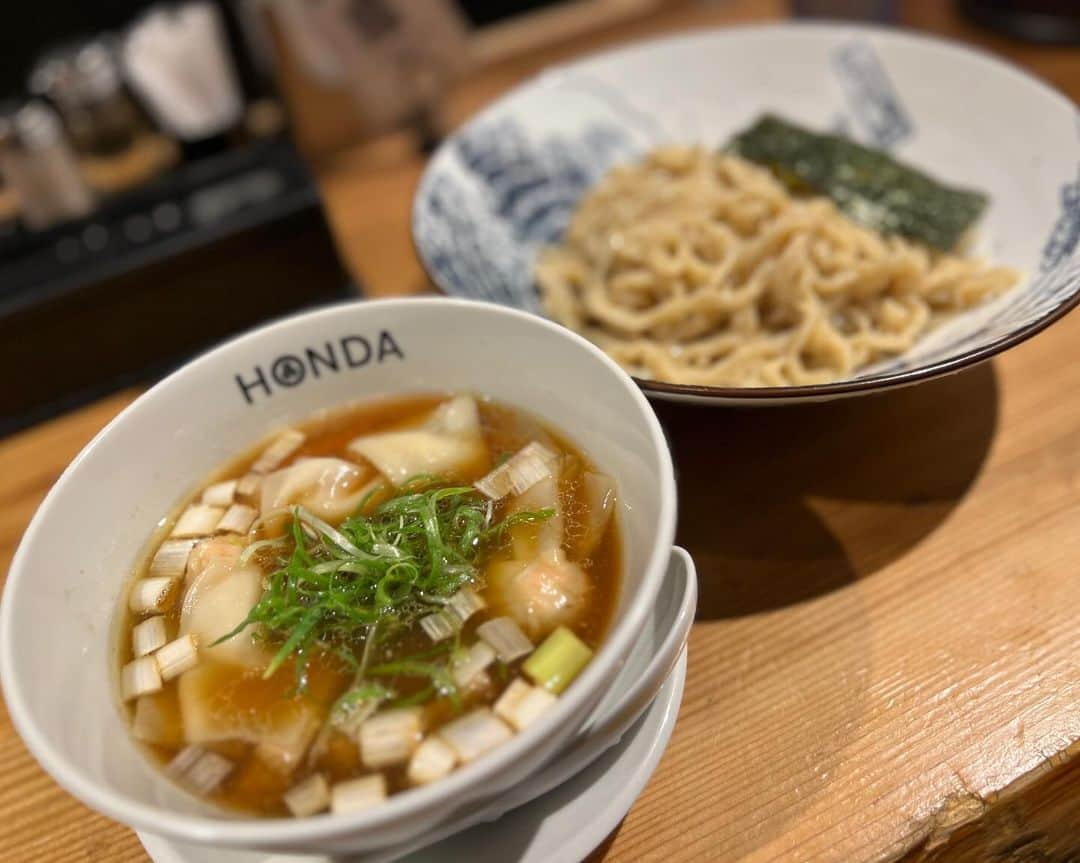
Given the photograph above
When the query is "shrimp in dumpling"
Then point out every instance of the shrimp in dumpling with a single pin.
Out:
(213, 551)
(449, 444)
(541, 594)
(332, 488)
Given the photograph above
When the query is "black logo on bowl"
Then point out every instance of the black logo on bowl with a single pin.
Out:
(290, 370)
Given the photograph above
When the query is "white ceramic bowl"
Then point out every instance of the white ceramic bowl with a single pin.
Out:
(506, 183)
(56, 643)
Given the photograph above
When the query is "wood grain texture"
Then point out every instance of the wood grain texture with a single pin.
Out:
(885, 664)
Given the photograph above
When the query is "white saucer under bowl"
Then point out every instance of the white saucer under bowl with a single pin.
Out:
(568, 807)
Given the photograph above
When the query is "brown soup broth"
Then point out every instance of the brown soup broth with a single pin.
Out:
(256, 785)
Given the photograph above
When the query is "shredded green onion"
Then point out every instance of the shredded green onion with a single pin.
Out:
(333, 585)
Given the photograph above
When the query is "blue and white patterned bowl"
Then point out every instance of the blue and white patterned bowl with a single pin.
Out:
(506, 184)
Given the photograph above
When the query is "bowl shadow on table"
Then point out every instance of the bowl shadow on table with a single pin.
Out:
(784, 504)
(778, 507)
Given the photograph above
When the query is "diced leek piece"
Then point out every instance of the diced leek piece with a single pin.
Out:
(471, 663)
(177, 656)
(157, 720)
(438, 626)
(432, 760)
(284, 446)
(522, 704)
(355, 795)
(184, 760)
(171, 558)
(465, 603)
(480, 683)
(556, 662)
(506, 637)
(197, 520)
(237, 519)
(248, 489)
(475, 733)
(203, 771)
(532, 463)
(148, 636)
(348, 719)
(220, 493)
(152, 594)
(390, 737)
(139, 677)
(308, 797)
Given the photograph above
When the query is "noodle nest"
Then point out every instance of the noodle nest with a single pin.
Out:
(694, 267)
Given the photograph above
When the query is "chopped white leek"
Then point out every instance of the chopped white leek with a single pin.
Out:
(475, 733)
(465, 603)
(184, 760)
(390, 737)
(480, 684)
(171, 558)
(248, 489)
(432, 760)
(197, 520)
(522, 704)
(506, 637)
(148, 636)
(139, 677)
(284, 446)
(177, 656)
(357, 794)
(220, 493)
(209, 772)
(308, 797)
(237, 519)
(556, 662)
(471, 663)
(152, 594)
(438, 626)
(349, 718)
(154, 722)
(202, 770)
(532, 463)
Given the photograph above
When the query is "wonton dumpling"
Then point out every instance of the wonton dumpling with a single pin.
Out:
(539, 588)
(332, 488)
(598, 493)
(530, 540)
(225, 702)
(218, 599)
(449, 444)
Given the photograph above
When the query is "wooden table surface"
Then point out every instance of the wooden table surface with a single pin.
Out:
(886, 659)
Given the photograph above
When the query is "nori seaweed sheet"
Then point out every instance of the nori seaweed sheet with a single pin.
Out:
(869, 186)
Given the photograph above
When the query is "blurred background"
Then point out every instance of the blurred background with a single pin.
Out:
(174, 173)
